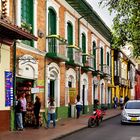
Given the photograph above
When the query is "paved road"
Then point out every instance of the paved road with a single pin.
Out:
(108, 130)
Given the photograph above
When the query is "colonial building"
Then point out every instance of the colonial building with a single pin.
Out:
(71, 57)
(124, 75)
(137, 85)
(78, 56)
(9, 32)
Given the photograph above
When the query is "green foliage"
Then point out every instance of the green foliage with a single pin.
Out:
(126, 23)
(26, 25)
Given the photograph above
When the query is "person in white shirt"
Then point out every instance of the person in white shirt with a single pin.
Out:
(24, 105)
(121, 102)
(78, 108)
(51, 113)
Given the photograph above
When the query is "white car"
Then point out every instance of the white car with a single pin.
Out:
(131, 112)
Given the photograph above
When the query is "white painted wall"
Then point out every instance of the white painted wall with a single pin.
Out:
(4, 66)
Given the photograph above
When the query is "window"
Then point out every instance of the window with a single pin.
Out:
(27, 17)
(84, 47)
(70, 33)
(101, 60)
(83, 43)
(52, 30)
(51, 22)
(132, 105)
(70, 39)
(94, 53)
(108, 58)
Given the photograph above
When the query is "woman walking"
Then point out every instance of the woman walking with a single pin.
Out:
(51, 113)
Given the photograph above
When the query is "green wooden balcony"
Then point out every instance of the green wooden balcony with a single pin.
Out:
(57, 47)
(88, 62)
(104, 70)
(74, 55)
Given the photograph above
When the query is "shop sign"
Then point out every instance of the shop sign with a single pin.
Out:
(35, 90)
(72, 95)
(40, 85)
(8, 88)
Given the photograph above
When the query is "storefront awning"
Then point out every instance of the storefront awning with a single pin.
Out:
(10, 32)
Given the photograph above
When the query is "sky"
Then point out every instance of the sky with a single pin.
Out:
(102, 12)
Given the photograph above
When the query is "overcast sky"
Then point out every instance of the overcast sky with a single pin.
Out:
(102, 12)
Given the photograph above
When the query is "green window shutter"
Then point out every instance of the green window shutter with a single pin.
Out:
(101, 59)
(107, 59)
(70, 39)
(27, 11)
(52, 30)
(94, 53)
(70, 33)
(83, 47)
(83, 43)
(27, 17)
(51, 22)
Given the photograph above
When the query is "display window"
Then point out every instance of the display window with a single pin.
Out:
(24, 86)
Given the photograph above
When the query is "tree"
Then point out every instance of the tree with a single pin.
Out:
(126, 23)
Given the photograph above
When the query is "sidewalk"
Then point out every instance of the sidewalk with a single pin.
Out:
(64, 127)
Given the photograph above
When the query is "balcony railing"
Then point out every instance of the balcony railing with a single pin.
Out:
(106, 69)
(74, 55)
(88, 61)
(57, 47)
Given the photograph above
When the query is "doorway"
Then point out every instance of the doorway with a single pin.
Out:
(83, 98)
(52, 89)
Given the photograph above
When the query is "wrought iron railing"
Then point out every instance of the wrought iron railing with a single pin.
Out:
(57, 45)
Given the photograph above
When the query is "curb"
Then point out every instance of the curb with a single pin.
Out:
(84, 127)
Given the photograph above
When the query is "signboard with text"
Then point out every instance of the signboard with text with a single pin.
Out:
(8, 88)
(72, 95)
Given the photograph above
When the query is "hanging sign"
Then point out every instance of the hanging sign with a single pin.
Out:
(8, 88)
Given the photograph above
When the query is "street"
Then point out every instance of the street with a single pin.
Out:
(108, 130)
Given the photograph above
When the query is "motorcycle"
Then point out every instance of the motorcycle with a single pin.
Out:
(96, 118)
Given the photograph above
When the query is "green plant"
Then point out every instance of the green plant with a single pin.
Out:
(26, 25)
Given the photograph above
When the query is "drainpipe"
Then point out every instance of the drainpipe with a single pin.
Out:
(79, 83)
(79, 76)
(14, 88)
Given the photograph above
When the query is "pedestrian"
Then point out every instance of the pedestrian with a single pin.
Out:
(78, 107)
(37, 106)
(51, 113)
(126, 99)
(96, 105)
(18, 112)
(24, 106)
(121, 102)
(115, 99)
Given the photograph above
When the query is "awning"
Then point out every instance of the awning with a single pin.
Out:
(10, 32)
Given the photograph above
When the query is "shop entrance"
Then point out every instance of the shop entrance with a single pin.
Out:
(69, 108)
(24, 86)
(52, 88)
(83, 98)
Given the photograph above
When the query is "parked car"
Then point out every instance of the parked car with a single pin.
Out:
(131, 112)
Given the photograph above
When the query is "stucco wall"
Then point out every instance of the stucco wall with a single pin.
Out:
(4, 66)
